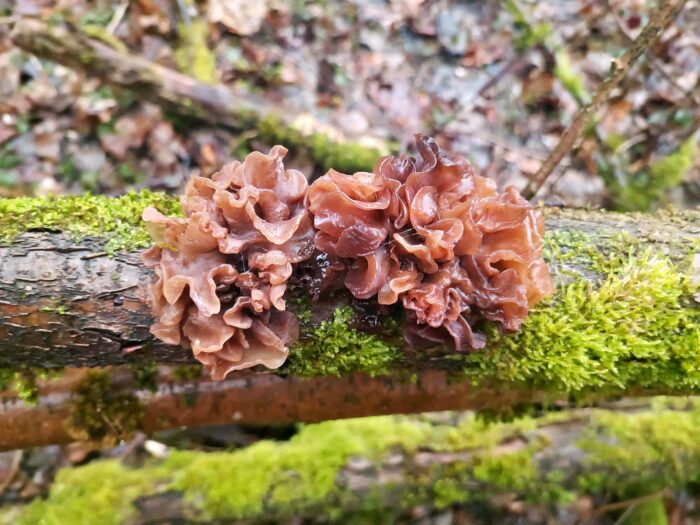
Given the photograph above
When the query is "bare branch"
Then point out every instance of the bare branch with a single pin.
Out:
(659, 20)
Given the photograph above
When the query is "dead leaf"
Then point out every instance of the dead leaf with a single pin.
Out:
(243, 17)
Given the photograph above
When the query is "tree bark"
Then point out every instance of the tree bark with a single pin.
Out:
(247, 398)
(65, 302)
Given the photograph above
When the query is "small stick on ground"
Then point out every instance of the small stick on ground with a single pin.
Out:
(659, 20)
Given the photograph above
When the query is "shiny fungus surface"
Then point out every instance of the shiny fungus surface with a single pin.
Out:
(222, 269)
(430, 232)
(425, 232)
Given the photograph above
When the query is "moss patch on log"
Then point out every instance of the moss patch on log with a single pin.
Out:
(100, 413)
(115, 219)
(636, 328)
(335, 348)
(623, 316)
(326, 153)
(623, 454)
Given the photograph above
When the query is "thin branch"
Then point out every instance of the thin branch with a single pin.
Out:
(690, 97)
(659, 20)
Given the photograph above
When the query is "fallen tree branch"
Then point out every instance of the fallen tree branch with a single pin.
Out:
(399, 469)
(624, 316)
(246, 398)
(659, 20)
(212, 103)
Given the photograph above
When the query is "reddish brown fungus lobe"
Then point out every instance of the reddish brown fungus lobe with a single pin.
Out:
(438, 237)
(426, 231)
(222, 269)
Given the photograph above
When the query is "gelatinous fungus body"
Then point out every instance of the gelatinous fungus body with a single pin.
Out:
(222, 269)
(430, 232)
(425, 231)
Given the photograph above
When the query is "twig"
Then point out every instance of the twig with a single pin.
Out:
(658, 22)
(627, 505)
(12, 471)
(119, 13)
(655, 63)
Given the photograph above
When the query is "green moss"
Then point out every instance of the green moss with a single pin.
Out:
(642, 189)
(117, 220)
(241, 484)
(526, 34)
(570, 79)
(193, 55)
(627, 454)
(335, 348)
(670, 170)
(184, 373)
(347, 157)
(641, 453)
(603, 335)
(100, 413)
(108, 486)
(647, 512)
(98, 32)
(24, 381)
(145, 375)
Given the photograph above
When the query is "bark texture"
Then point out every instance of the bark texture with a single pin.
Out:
(68, 303)
(577, 466)
(248, 398)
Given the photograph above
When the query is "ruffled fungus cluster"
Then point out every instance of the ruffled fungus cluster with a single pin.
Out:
(428, 232)
(222, 269)
(438, 237)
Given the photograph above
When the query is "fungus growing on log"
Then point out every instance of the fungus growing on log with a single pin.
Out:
(426, 231)
(222, 269)
(431, 232)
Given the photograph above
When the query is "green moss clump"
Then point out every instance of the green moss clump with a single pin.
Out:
(24, 381)
(98, 32)
(670, 170)
(118, 220)
(347, 157)
(570, 79)
(648, 512)
(335, 348)
(597, 336)
(184, 373)
(98, 413)
(145, 375)
(641, 190)
(621, 450)
(240, 484)
(100, 492)
(193, 55)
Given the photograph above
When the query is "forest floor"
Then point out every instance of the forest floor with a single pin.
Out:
(497, 81)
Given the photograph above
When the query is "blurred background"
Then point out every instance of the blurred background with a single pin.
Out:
(496, 81)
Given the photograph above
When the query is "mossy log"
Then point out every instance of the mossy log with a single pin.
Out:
(208, 102)
(625, 319)
(567, 467)
(74, 293)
